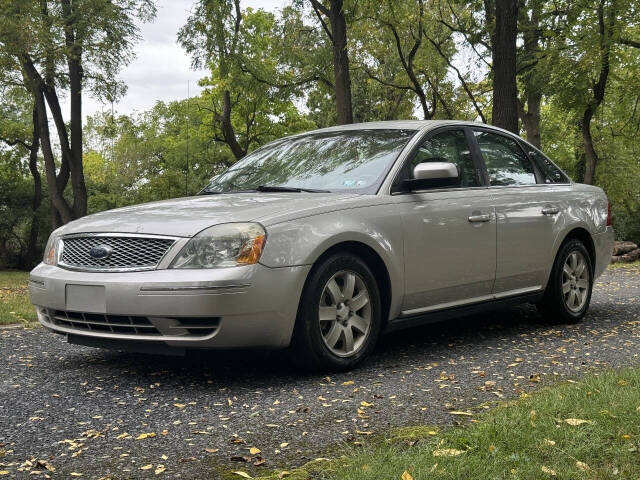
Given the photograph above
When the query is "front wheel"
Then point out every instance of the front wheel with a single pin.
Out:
(568, 293)
(339, 315)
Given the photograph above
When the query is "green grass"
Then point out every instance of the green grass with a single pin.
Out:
(528, 438)
(14, 298)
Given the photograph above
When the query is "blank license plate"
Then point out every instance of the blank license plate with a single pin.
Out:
(86, 298)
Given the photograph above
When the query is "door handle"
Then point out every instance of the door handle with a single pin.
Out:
(550, 210)
(480, 218)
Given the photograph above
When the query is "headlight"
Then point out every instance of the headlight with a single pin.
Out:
(51, 250)
(221, 246)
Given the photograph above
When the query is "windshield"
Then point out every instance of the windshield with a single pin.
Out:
(354, 160)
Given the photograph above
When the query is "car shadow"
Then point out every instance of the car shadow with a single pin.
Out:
(260, 368)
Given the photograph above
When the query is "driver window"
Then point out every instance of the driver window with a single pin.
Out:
(449, 146)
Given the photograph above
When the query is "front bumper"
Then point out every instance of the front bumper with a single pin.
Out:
(250, 306)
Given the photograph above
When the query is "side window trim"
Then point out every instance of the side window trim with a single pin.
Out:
(529, 149)
(536, 172)
(479, 171)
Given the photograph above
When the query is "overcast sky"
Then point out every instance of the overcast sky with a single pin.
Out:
(162, 69)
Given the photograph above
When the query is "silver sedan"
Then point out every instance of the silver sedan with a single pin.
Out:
(322, 241)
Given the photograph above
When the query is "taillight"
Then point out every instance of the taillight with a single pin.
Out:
(608, 214)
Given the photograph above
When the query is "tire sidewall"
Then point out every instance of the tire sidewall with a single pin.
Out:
(308, 331)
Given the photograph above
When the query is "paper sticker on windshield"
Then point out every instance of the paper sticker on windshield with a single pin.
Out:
(349, 183)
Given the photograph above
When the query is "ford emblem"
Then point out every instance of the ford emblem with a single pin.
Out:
(101, 251)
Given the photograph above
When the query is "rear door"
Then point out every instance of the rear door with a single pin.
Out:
(450, 233)
(528, 212)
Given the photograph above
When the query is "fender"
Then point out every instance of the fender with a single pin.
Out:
(303, 241)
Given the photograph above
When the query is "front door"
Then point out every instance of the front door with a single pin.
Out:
(450, 233)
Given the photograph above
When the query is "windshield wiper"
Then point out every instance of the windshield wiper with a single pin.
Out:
(273, 188)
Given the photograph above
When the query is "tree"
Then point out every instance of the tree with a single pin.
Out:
(399, 52)
(504, 15)
(70, 45)
(247, 101)
(336, 30)
(211, 36)
(19, 127)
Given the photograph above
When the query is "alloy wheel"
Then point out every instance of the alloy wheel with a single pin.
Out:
(345, 313)
(575, 281)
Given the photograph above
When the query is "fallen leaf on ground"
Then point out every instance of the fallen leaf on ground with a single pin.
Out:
(242, 474)
(582, 466)
(548, 471)
(447, 452)
(456, 412)
(406, 476)
(211, 450)
(146, 467)
(254, 451)
(576, 421)
(142, 436)
(549, 442)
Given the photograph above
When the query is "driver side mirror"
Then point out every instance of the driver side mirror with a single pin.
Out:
(431, 175)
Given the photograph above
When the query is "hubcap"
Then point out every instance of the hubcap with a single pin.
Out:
(575, 281)
(345, 313)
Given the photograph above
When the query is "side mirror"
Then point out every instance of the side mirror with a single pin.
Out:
(432, 175)
(435, 171)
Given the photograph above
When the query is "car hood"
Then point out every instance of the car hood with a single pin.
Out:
(184, 217)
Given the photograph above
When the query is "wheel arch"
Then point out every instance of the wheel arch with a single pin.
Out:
(373, 260)
(583, 235)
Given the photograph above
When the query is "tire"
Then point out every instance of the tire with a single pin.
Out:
(336, 330)
(568, 293)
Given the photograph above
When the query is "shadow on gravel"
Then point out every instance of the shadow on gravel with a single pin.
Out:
(261, 368)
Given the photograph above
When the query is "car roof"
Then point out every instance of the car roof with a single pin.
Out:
(405, 125)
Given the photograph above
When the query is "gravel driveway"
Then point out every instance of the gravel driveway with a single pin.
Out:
(69, 410)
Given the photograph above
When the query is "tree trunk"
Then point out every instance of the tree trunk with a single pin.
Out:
(341, 73)
(531, 74)
(505, 91)
(228, 133)
(63, 212)
(531, 118)
(32, 245)
(74, 66)
(590, 155)
(77, 172)
(605, 29)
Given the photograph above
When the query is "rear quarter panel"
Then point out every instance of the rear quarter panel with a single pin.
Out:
(586, 207)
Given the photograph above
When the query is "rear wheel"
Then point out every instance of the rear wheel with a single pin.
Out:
(339, 315)
(568, 293)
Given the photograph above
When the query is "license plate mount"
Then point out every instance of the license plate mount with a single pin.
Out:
(86, 298)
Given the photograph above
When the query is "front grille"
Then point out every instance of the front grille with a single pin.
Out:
(132, 324)
(124, 324)
(127, 252)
